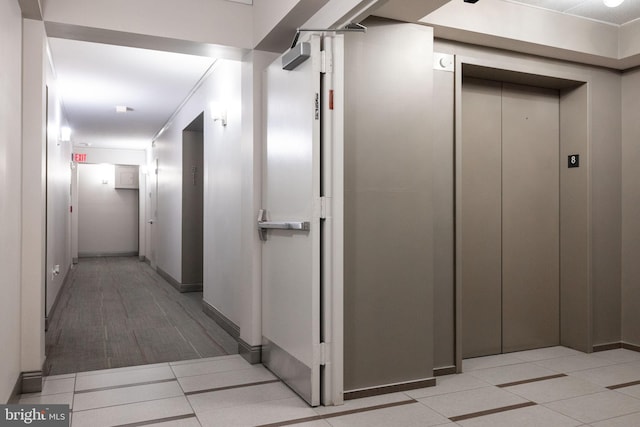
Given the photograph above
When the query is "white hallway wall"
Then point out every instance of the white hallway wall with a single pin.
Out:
(33, 268)
(10, 171)
(107, 217)
(58, 196)
(223, 174)
(115, 157)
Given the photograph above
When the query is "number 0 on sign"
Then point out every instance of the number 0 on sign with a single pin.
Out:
(574, 161)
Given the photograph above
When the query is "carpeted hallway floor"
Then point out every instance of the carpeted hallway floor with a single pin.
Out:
(117, 312)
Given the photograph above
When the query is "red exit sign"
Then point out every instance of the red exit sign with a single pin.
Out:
(79, 157)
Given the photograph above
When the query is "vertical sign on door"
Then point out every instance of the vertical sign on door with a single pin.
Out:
(79, 157)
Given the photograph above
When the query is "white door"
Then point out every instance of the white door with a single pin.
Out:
(295, 225)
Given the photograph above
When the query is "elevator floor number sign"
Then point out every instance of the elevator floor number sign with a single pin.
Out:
(574, 161)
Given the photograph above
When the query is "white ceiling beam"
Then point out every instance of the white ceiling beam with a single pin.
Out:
(31, 9)
(520, 28)
(143, 41)
(275, 22)
(409, 10)
(338, 13)
(216, 22)
(630, 42)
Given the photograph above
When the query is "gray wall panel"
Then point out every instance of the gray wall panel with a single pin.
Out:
(606, 193)
(575, 291)
(388, 206)
(481, 218)
(530, 218)
(631, 207)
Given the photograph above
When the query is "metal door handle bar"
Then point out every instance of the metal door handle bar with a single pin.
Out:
(285, 225)
(263, 225)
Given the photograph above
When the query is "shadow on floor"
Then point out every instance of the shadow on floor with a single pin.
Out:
(117, 312)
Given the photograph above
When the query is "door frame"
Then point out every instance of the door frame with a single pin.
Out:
(575, 137)
(152, 213)
(332, 239)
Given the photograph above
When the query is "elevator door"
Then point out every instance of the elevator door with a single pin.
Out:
(509, 218)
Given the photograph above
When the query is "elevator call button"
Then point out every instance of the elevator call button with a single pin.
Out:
(574, 161)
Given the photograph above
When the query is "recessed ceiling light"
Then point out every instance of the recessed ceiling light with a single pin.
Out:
(612, 3)
(123, 109)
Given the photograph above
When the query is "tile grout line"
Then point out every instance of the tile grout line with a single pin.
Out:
(249, 367)
(191, 393)
(159, 420)
(339, 414)
(491, 411)
(176, 376)
(376, 407)
(623, 385)
(116, 387)
(116, 405)
(186, 397)
(121, 369)
(532, 380)
(39, 394)
(73, 393)
(204, 360)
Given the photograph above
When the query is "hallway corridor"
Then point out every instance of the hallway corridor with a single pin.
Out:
(118, 312)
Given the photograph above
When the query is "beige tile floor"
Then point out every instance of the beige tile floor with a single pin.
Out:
(546, 388)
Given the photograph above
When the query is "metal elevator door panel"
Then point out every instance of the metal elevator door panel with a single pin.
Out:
(530, 218)
(481, 218)
(509, 219)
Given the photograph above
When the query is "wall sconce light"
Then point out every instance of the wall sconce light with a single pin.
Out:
(65, 134)
(219, 114)
(107, 173)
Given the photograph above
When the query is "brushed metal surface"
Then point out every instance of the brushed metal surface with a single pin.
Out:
(481, 222)
(530, 218)
(293, 372)
(510, 217)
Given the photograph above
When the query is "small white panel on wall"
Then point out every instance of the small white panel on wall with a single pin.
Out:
(126, 177)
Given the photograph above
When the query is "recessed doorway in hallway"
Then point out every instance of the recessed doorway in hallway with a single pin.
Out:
(117, 311)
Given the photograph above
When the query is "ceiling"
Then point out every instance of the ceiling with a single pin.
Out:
(590, 9)
(93, 78)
